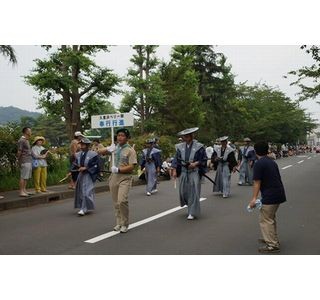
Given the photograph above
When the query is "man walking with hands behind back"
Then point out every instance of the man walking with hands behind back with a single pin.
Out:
(267, 179)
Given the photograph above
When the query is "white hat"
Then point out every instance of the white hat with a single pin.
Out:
(188, 131)
(78, 133)
(223, 138)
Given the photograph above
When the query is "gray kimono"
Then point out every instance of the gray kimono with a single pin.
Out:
(225, 164)
(84, 193)
(190, 180)
(246, 156)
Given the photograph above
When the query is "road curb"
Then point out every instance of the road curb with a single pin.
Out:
(19, 202)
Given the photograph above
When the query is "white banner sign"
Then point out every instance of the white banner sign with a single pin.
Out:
(112, 120)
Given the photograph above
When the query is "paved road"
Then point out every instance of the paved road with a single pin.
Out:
(224, 227)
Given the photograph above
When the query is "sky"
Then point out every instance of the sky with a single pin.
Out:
(266, 64)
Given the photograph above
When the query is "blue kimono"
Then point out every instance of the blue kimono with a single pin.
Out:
(151, 161)
(247, 156)
(84, 193)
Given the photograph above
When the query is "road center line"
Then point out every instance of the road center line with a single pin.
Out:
(301, 161)
(309, 157)
(139, 223)
(286, 167)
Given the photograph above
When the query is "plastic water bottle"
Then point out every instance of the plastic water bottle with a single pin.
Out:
(258, 205)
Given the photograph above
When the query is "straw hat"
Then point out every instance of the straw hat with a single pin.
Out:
(38, 138)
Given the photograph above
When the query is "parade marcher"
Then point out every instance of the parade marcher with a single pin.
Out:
(267, 180)
(224, 162)
(120, 180)
(74, 148)
(188, 165)
(209, 152)
(151, 162)
(25, 161)
(87, 164)
(39, 155)
(246, 160)
(96, 146)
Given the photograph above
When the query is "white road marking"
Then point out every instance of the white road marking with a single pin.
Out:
(309, 157)
(302, 156)
(139, 223)
(286, 167)
(301, 161)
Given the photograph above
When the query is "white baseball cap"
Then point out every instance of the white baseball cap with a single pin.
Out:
(78, 133)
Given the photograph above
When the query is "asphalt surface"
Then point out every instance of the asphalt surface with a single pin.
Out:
(225, 227)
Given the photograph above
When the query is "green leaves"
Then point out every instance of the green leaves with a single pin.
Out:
(73, 79)
(308, 76)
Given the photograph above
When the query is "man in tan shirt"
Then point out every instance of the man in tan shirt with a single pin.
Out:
(120, 180)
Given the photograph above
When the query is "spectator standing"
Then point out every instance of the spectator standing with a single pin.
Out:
(25, 161)
(267, 180)
(39, 155)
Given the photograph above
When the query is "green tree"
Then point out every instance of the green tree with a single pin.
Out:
(215, 85)
(9, 135)
(268, 114)
(9, 52)
(182, 107)
(146, 93)
(309, 77)
(68, 80)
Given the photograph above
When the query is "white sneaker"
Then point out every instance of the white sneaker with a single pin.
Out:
(190, 217)
(81, 212)
(117, 228)
(124, 229)
(154, 191)
(225, 196)
(148, 194)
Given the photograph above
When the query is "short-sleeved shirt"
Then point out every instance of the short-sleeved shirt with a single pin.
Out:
(128, 156)
(272, 191)
(25, 149)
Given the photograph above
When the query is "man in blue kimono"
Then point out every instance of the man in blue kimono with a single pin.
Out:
(246, 159)
(151, 162)
(87, 164)
(224, 162)
(189, 163)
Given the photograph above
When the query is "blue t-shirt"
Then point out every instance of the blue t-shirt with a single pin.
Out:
(272, 190)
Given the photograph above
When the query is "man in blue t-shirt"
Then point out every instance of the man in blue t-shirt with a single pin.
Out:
(267, 180)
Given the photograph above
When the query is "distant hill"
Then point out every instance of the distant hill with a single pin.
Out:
(13, 114)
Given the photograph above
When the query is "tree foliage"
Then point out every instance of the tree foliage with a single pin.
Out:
(182, 106)
(265, 113)
(215, 85)
(146, 93)
(310, 74)
(69, 80)
(9, 52)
